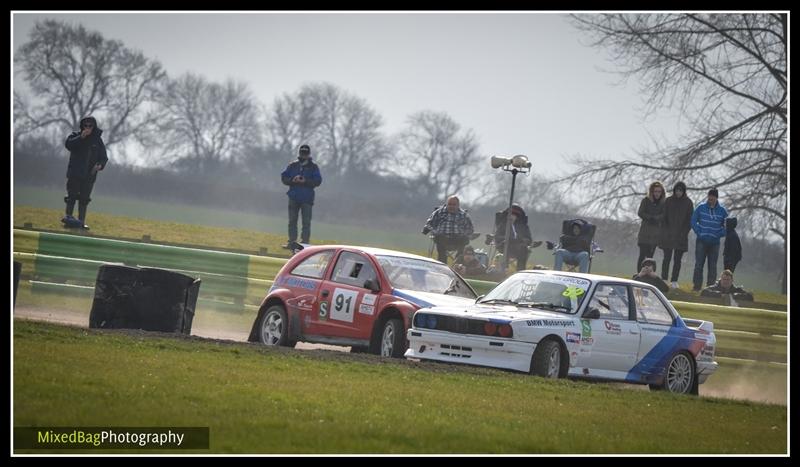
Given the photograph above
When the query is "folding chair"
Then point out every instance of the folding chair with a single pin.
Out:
(587, 230)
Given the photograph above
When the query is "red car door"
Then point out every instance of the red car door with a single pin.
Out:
(345, 307)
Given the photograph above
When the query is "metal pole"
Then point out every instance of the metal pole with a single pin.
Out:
(508, 220)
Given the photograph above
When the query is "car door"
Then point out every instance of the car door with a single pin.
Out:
(347, 308)
(655, 320)
(609, 343)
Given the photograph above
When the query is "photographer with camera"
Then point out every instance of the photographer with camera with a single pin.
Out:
(451, 228)
(302, 176)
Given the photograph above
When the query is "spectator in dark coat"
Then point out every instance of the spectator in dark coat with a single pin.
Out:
(725, 288)
(87, 156)
(574, 248)
(520, 237)
(301, 176)
(732, 253)
(648, 275)
(678, 210)
(651, 211)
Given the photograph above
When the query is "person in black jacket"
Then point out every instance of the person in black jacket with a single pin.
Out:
(725, 288)
(519, 238)
(575, 248)
(87, 156)
(732, 253)
(648, 275)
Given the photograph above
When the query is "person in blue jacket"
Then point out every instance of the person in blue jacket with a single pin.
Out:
(708, 224)
(302, 176)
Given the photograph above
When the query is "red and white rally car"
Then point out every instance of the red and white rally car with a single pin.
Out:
(354, 296)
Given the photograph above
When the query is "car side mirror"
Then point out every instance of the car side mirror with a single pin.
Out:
(478, 298)
(592, 313)
(372, 285)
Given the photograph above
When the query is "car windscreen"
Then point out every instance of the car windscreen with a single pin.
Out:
(549, 291)
(423, 276)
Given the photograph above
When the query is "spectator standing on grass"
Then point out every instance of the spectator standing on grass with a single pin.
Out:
(732, 253)
(651, 211)
(708, 223)
(87, 156)
(301, 176)
(678, 210)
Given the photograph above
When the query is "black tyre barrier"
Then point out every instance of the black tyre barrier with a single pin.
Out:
(147, 298)
(17, 272)
(113, 305)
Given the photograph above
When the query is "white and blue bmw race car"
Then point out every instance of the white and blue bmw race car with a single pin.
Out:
(556, 324)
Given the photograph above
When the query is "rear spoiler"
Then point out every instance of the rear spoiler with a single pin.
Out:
(706, 327)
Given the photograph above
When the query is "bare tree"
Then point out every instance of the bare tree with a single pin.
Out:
(73, 72)
(207, 124)
(342, 129)
(435, 154)
(728, 75)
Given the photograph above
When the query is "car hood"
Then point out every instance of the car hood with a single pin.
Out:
(505, 312)
(427, 299)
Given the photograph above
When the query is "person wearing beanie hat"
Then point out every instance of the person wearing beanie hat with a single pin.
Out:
(674, 243)
(301, 176)
(87, 156)
(708, 224)
(648, 275)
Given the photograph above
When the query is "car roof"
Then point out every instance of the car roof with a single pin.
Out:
(591, 277)
(374, 251)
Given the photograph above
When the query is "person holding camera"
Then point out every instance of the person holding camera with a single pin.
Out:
(451, 228)
(87, 156)
(301, 176)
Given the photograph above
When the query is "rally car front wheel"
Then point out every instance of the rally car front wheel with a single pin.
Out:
(273, 329)
(549, 361)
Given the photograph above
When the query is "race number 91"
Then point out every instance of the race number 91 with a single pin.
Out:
(344, 302)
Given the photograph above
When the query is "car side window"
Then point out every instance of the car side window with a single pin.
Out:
(611, 301)
(314, 266)
(353, 269)
(649, 308)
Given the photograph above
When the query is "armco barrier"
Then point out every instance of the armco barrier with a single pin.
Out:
(52, 257)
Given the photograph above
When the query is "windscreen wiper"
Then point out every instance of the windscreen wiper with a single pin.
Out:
(549, 305)
(499, 300)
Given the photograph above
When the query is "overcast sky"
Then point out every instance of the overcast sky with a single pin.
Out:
(524, 82)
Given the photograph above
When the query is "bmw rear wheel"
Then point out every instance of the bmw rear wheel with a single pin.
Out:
(680, 377)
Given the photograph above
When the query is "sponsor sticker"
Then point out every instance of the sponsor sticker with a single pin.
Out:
(291, 281)
(586, 328)
(573, 337)
(587, 340)
(323, 310)
(612, 327)
(565, 323)
(369, 299)
(366, 309)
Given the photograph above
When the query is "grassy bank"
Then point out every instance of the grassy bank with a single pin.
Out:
(285, 401)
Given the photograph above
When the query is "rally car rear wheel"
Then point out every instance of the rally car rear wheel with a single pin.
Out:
(548, 360)
(274, 327)
(680, 377)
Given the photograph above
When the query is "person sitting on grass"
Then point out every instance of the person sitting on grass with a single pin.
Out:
(649, 276)
(726, 289)
(468, 264)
